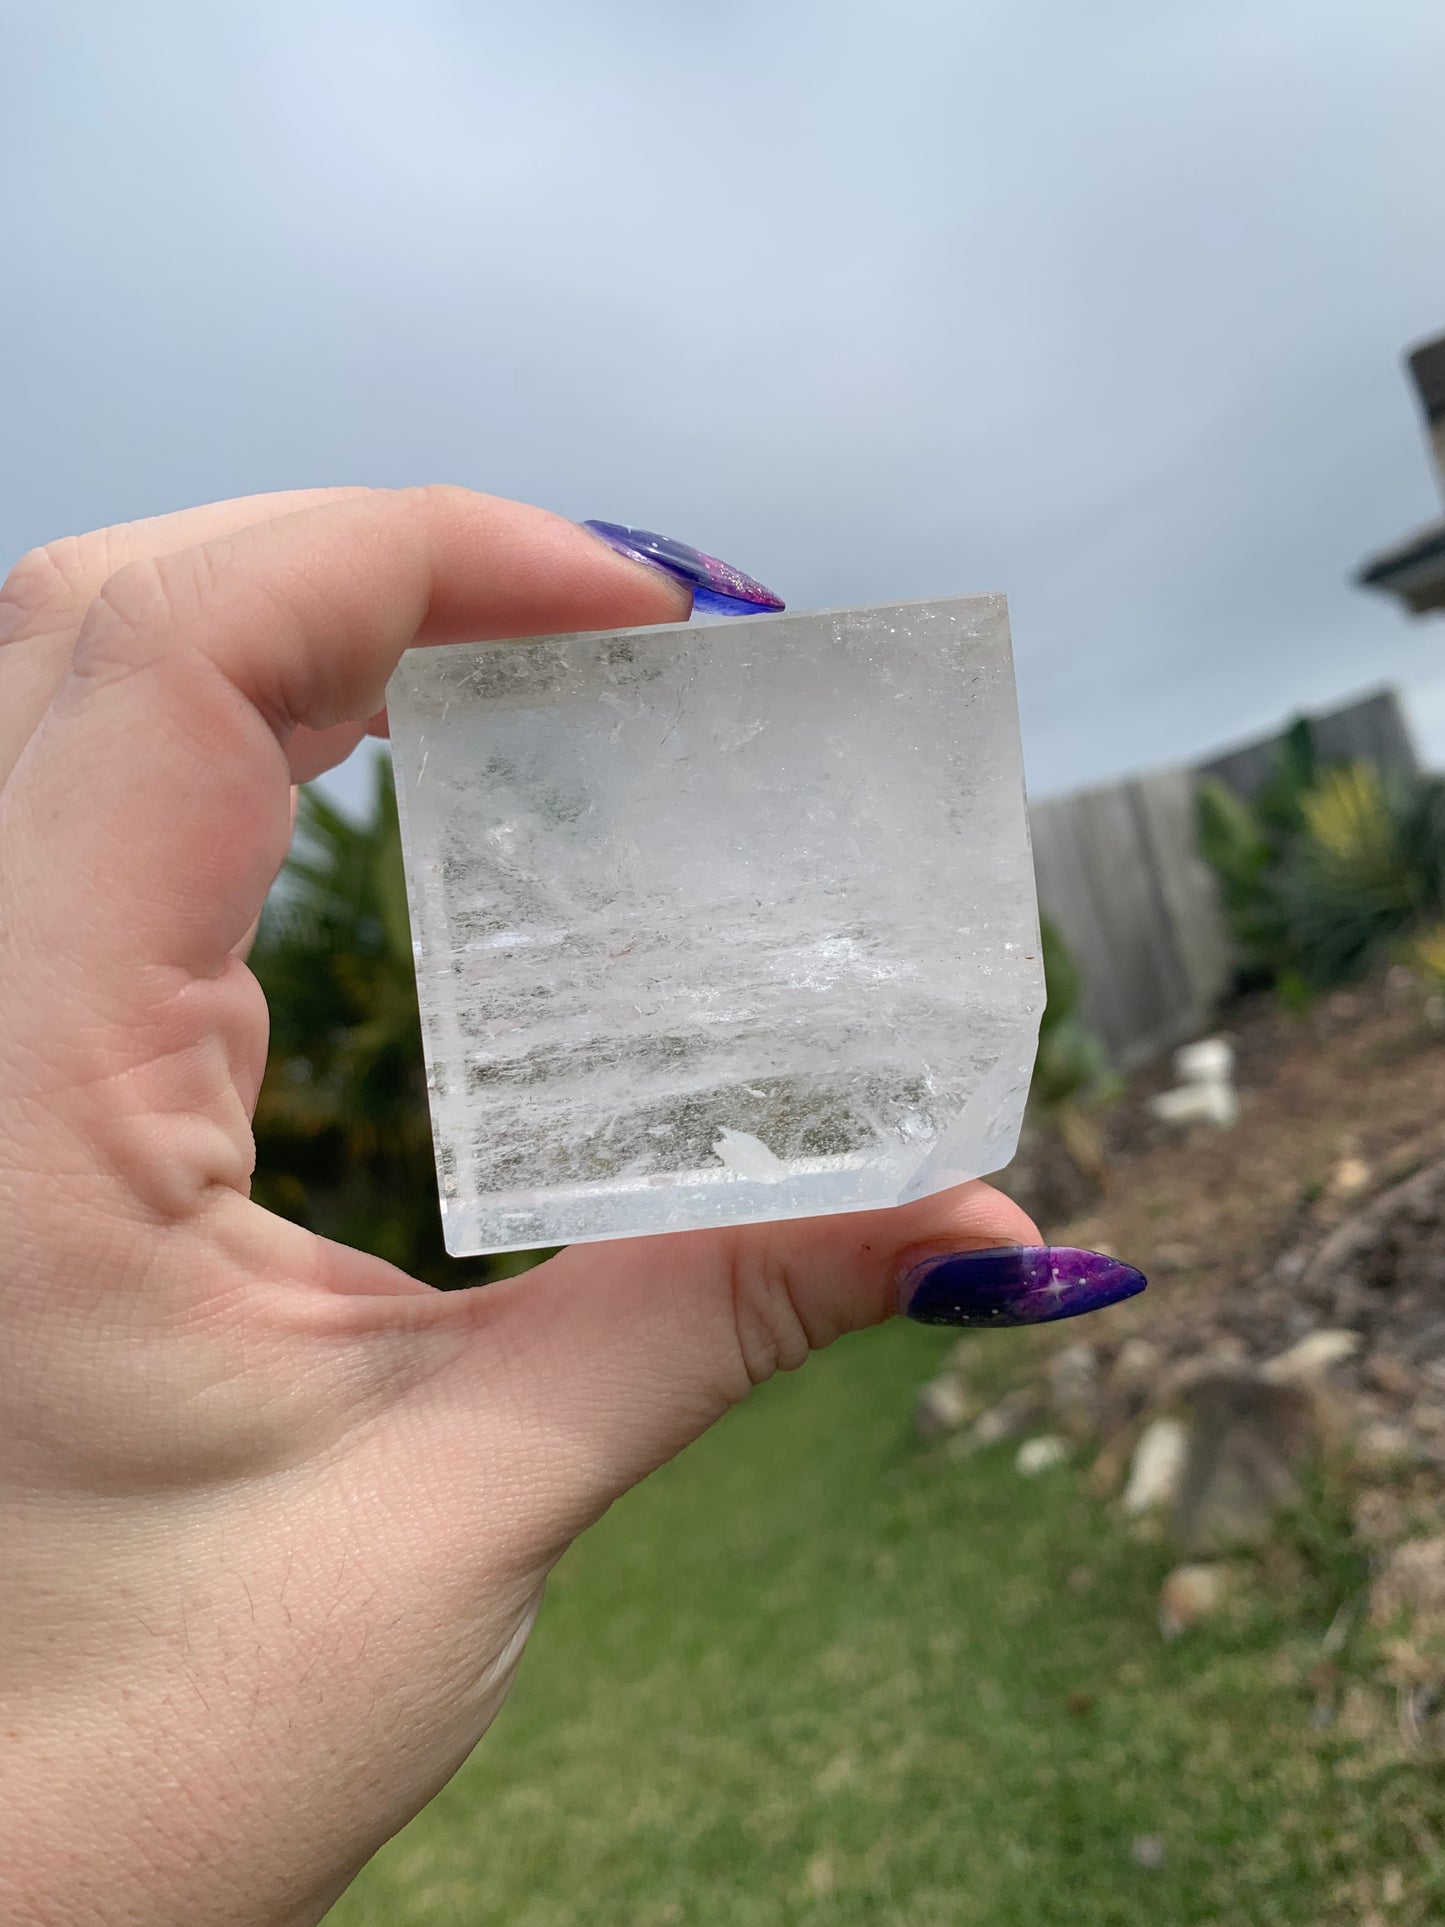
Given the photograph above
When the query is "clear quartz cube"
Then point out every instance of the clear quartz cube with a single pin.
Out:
(718, 923)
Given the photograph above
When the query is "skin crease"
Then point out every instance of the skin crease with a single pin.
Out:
(276, 1517)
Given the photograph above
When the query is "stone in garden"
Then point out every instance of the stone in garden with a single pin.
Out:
(1407, 1605)
(1015, 1412)
(1137, 1365)
(1196, 1592)
(1213, 1352)
(1348, 1177)
(1365, 1716)
(1041, 1455)
(1148, 1850)
(1385, 1445)
(1292, 1265)
(1411, 1584)
(1131, 1382)
(1074, 1389)
(718, 924)
(942, 1405)
(1205, 1092)
(1196, 1104)
(1157, 1468)
(1209, 1060)
(1248, 1440)
(1379, 1517)
(821, 1875)
(1392, 1375)
(1313, 1357)
(1394, 1238)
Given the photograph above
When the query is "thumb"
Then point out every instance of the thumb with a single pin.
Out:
(615, 1356)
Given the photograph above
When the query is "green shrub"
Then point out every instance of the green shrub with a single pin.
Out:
(343, 1136)
(1073, 1081)
(1427, 954)
(1326, 869)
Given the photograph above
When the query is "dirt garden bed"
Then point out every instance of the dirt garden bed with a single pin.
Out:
(1295, 1319)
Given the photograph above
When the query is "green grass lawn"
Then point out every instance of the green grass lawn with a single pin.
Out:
(810, 1674)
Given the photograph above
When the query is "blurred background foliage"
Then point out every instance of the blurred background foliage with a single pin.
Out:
(343, 1134)
(1074, 1084)
(1427, 954)
(1327, 869)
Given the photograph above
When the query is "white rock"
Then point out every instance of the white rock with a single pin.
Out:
(1073, 1376)
(1383, 1445)
(1412, 1582)
(942, 1405)
(1205, 1093)
(1192, 1593)
(1313, 1356)
(1349, 1177)
(1038, 1455)
(1210, 1061)
(1197, 1104)
(1138, 1365)
(1014, 1413)
(1157, 1467)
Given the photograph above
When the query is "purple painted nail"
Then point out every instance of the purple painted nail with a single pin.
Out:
(716, 586)
(1014, 1285)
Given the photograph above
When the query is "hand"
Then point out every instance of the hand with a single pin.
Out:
(276, 1518)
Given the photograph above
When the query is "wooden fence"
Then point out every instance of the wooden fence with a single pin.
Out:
(1119, 873)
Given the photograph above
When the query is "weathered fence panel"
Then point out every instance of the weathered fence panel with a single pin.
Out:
(1119, 873)
(1372, 730)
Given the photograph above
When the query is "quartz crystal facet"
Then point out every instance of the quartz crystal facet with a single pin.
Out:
(718, 923)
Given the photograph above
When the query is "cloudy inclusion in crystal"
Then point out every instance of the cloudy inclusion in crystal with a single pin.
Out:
(718, 924)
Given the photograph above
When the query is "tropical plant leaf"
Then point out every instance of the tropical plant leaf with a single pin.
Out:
(1073, 1080)
(1326, 868)
(1061, 977)
(342, 1129)
(1427, 954)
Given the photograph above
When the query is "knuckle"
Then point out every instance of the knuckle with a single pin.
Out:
(40, 587)
(52, 586)
(771, 1334)
(441, 501)
(442, 495)
(124, 628)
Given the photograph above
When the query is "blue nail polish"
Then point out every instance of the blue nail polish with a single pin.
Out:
(1014, 1285)
(717, 587)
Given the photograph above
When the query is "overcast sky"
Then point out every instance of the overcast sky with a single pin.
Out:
(1100, 304)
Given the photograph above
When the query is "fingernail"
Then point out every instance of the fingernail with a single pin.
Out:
(1014, 1285)
(716, 586)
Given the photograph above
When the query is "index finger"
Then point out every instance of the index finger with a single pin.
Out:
(45, 596)
(159, 772)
